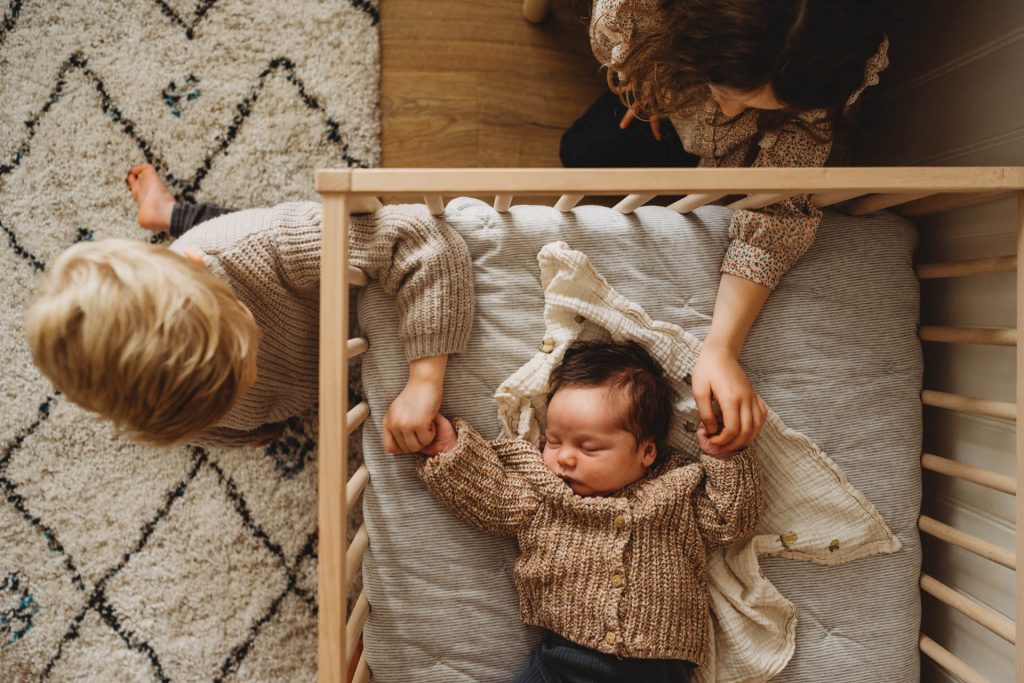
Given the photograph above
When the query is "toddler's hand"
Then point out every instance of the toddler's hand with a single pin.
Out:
(446, 437)
(718, 376)
(409, 422)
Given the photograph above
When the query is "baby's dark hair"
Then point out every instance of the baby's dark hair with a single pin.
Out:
(812, 52)
(625, 366)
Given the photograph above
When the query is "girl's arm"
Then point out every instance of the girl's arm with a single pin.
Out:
(765, 245)
(717, 375)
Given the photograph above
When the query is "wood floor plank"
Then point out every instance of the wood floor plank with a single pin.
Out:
(470, 83)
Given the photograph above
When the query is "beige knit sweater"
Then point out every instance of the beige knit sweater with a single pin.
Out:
(622, 574)
(271, 258)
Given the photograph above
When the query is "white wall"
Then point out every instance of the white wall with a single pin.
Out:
(954, 96)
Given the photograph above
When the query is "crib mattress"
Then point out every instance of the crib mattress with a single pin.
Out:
(835, 352)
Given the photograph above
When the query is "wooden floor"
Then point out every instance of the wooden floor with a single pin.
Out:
(468, 83)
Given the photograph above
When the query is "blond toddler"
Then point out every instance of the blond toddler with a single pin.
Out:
(215, 340)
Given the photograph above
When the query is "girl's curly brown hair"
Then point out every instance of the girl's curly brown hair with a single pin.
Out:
(812, 53)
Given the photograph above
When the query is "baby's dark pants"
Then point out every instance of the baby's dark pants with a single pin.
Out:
(557, 660)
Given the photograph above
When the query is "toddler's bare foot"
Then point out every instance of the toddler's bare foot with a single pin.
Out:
(154, 200)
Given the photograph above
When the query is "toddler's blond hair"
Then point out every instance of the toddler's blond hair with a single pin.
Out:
(144, 337)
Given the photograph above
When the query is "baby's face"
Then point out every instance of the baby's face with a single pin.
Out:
(587, 444)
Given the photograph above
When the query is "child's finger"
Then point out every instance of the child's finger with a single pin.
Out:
(730, 423)
(390, 444)
(628, 118)
(705, 410)
(760, 411)
(424, 436)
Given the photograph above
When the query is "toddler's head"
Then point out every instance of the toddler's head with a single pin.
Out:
(609, 410)
(143, 336)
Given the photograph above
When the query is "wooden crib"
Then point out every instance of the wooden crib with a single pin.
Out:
(908, 191)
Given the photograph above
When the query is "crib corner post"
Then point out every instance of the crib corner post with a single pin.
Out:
(1018, 650)
(333, 435)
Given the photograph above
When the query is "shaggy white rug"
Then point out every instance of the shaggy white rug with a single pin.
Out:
(119, 562)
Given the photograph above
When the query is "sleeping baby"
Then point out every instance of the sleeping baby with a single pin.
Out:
(613, 527)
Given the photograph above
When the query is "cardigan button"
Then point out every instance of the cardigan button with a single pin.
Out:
(617, 580)
(619, 522)
(548, 345)
(611, 637)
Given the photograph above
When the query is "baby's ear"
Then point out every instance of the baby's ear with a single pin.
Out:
(650, 452)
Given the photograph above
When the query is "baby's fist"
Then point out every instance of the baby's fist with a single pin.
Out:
(704, 441)
(445, 437)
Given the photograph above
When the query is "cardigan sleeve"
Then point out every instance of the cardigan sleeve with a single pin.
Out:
(767, 242)
(473, 481)
(417, 258)
(729, 499)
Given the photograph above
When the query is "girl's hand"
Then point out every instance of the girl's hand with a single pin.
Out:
(446, 437)
(631, 114)
(717, 376)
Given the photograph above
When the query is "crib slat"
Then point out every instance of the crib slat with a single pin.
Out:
(354, 556)
(566, 202)
(969, 404)
(988, 618)
(877, 202)
(758, 201)
(949, 661)
(978, 546)
(363, 204)
(968, 335)
(354, 626)
(502, 202)
(355, 346)
(355, 486)
(823, 199)
(435, 204)
(356, 277)
(362, 674)
(356, 416)
(977, 475)
(632, 202)
(694, 201)
(981, 266)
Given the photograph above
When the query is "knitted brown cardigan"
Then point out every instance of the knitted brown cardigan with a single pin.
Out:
(623, 574)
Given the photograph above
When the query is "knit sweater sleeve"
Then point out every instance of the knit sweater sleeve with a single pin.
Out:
(767, 242)
(418, 259)
(473, 480)
(730, 498)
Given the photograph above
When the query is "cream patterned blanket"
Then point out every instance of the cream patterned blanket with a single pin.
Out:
(812, 512)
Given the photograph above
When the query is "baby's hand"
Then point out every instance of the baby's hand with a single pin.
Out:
(704, 441)
(446, 437)
(409, 422)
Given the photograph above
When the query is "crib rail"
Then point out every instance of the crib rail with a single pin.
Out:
(909, 191)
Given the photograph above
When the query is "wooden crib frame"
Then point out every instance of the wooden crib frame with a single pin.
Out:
(910, 191)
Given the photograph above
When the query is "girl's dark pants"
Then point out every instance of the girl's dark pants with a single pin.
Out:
(596, 140)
